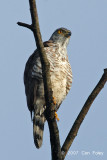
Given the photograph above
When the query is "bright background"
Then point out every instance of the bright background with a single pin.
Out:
(87, 19)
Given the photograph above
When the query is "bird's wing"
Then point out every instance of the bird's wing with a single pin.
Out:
(33, 76)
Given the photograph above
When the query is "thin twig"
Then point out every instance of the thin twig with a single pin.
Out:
(25, 25)
(74, 130)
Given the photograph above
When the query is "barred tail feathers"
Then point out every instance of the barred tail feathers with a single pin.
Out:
(38, 128)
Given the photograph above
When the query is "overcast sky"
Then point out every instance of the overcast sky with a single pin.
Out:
(87, 51)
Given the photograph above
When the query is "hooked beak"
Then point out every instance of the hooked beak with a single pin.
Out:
(68, 34)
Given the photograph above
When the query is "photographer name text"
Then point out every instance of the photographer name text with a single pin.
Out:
(85, 153)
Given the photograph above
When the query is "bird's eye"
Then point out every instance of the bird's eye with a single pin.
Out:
(59, 31)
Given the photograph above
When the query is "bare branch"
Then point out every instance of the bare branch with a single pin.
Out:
(50, 114)
(25, 25)
(73, 132)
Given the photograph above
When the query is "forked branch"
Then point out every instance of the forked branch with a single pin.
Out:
(54, 133)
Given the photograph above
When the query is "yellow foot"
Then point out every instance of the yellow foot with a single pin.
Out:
(56, 116)
(54, 100)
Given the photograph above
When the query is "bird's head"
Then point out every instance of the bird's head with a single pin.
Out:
(61, 36)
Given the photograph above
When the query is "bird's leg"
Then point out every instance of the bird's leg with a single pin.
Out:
(54, 101)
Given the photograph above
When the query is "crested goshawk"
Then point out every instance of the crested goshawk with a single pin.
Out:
(60, 74)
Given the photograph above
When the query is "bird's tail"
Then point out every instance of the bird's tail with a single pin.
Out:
(38, 128)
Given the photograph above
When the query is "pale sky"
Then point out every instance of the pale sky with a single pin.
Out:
(87, 51)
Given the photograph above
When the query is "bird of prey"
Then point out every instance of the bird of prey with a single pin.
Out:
(60, 74)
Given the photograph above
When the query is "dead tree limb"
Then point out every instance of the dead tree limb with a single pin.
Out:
(54, 132)
(50, 111)
(74, 130)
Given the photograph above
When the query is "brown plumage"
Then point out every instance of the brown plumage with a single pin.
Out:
(61, 79)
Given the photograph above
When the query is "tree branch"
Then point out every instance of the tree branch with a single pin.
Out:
(73, 132)
(54, 132)
(50, 114)
(25, 25)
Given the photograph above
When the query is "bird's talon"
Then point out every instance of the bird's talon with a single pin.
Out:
(56, 116)
(54, 100)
